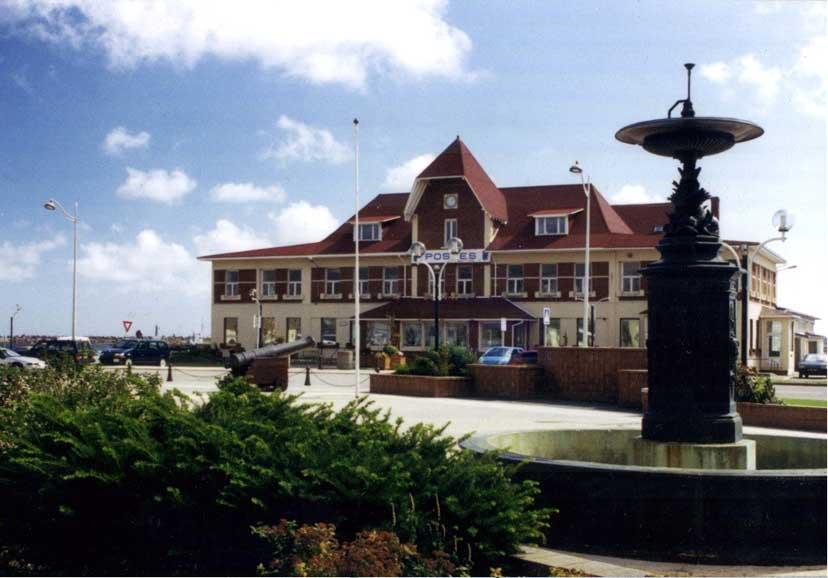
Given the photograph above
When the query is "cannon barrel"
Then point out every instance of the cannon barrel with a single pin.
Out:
(239, 362)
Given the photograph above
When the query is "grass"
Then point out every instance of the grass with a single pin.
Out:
(806, 402)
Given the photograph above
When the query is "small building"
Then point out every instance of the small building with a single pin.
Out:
(534, 234)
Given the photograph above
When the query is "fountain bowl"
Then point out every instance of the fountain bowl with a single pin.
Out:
(700, 136)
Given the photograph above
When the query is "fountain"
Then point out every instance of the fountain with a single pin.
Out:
(687, 485)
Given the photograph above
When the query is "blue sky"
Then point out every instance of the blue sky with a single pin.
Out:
(185, 128)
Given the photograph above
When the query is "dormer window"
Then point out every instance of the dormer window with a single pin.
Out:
(370, 231)
(552, 225)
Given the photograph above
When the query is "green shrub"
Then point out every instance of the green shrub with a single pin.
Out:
(450, 360)
(104, 474)
(753, 387)
(390, 350)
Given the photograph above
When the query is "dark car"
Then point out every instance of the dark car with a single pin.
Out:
(137, 352)
(813, 364)
(525, 358)
(79, 349)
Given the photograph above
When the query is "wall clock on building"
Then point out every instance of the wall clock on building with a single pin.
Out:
(450, 201)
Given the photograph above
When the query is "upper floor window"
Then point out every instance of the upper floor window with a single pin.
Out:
(549, 279)
(370, 231)
(579, 278)
(431, 284)
(464, 280)
(294, 288)
(268, 283)
(449, 230)
(450, 201)
(514, 279)
(391, 281)
(231, 283)
(333, 278)
(551, 225)
(363, 281)
(630, 277)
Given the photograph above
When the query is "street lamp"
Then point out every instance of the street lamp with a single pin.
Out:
(417, 251)
(17, 309)
(577, 170)
(51, 205)
(254, 295)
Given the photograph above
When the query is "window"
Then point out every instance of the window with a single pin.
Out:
(457, 333)
(268, 330)
(428, 333)
(231, 330)
(378, 333)
(231, 283)
(328, 329)
(580, 322)
(294, 328)
(552, 333)
(551, 225)
(412, 333)
(464, 280)
(449, 230)
(390, 281)
(294, 288)
(549, 279)
(630, 277)
(450, 201)
(370, 231)
(332, 281)
(514, 279)
(363, 281)
(431, 284)
(774, 329)
(579, 278)
(630, 333)
(269, 283)
(489, 334)
(812, 347)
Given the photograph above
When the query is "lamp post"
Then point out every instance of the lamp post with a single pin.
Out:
(17, 309)
(254, 295)
(417, 251)
(51, 205)
(355, 283)
(577, 170)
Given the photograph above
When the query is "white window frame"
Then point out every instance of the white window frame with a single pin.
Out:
(455, 327)
(449, 231)
(231, 288)
(630, 283)
(268, 287)
(322, 328)
(549, 283)
(390, 286)
(377, 334)
(465, 285)
(551, 225)
(332, 286)
(370, 231)
(294, 288)
(515, 285)
(578, 283)
(430, 290)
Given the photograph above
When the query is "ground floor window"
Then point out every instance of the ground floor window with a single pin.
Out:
(378, 333)
(231, 330)
(269, 330)
(490, 335)
(412, 334)
(552, 333)
(774, 329)
(457, 333)
(293, 328)
(580, 322)
(630, 333)
(428, 333)
(812, 347)
(328, 329)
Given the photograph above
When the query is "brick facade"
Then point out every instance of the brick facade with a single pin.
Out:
(507, 381)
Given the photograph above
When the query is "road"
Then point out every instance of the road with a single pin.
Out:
(802, 392)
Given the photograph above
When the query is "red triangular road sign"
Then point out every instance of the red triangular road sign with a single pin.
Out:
(127, 325)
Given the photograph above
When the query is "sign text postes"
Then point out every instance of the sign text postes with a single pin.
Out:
(469, 256)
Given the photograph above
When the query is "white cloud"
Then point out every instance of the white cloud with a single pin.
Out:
(226, 237)
(302, 222)
(149, 264)
(316, 40)
(247, 192)
(306, 143)
(634, 195)
(120, 139)
(401, 177)
(717, 72)
(811, 73)
(156, 185)
(764, 79)
(20, 261)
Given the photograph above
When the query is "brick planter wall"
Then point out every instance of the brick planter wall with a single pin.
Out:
(506, 381)
(420, 386)
(783, 416)
(630, 384)
(587, 373)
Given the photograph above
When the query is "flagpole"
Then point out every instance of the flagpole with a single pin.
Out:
(356, 287)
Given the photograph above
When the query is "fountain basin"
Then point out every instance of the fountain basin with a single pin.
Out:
(774, 514)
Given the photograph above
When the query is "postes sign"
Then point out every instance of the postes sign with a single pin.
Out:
(469, 256)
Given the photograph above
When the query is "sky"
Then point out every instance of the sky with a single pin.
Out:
(188, 128)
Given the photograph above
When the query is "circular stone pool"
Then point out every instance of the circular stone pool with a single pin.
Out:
(775, 514)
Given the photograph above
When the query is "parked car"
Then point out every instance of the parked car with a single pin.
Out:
(79, 349)
(137, 352)
(526, 357)
(500, 355)
(813, 364)
(11, 358)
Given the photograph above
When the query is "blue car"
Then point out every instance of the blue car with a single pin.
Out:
(501, 355)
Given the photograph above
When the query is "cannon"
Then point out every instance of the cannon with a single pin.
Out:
(239, 362)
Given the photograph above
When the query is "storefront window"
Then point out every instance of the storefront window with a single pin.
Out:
(294, 328)
(231, 330)
(268, 330)
(552, 333)
(328, 331)
(412, 334)
(457, 334)
(774, 329)
(378, 333)
(630, 333)
(580, 322)
(489, 334)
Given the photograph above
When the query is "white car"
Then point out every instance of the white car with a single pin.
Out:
(14, 359)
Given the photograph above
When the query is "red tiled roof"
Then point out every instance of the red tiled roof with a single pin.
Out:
(458, 161)
(475, 308)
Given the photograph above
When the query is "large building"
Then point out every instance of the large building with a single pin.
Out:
(535, 236)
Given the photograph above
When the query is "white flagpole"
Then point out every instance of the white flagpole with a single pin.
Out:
(356, 286)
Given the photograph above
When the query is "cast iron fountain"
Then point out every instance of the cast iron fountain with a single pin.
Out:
(687, 486)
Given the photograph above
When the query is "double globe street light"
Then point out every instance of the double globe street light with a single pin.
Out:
(417, 252)
(52, 205)
(585, 184)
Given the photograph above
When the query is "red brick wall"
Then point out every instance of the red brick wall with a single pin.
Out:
(630, 384)
(507, 381)
(431, 214)
(783, 416)
(420, 386)
(587, 373)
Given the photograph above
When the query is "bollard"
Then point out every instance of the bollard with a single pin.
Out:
(307, 375)
(129, 369)
(169, 372)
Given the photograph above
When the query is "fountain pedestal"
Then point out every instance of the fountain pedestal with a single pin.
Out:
(739, 455)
